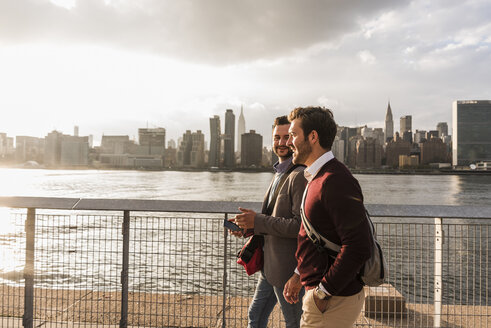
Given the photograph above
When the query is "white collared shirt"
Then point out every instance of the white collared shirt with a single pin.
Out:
(311, 171)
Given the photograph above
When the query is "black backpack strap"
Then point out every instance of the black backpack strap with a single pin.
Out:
(320, 242)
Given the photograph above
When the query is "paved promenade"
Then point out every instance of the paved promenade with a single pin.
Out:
(69, 308)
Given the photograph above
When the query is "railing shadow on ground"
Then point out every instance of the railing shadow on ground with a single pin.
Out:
(94, 261)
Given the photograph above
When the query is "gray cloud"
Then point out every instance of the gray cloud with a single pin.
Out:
(351, 55)
(213, 31)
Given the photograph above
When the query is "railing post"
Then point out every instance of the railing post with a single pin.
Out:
(124, 272)
(27, 319)
(225, 260)
(438, 273)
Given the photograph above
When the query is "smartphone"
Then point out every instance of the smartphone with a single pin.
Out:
(230, 225)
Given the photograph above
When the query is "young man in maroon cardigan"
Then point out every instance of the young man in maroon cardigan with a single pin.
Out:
(333, 204)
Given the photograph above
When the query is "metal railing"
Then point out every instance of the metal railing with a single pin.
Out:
(93, 262)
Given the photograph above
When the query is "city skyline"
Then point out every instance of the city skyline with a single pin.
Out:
(207, 129)
(116, 66)
(359, 147)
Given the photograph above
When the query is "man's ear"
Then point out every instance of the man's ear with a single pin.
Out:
(313, 137)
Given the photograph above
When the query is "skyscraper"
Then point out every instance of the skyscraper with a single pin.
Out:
(406, 124)
(406, 128)
(389, 125)
(215, 142)
(419, 136)
(442, 128)
(191, 151)
(229, 139)
(52, 149)
(471, 135)
(251, 154)
(241, 128)
(171, 144)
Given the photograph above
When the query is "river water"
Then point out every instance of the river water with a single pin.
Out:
(56, 247)
(234, 186)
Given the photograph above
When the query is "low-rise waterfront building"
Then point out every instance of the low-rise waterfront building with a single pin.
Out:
(116, 150)
(65, 150)
(117, 145)
(368, 153)
(74, 151)
(433, 151)
(408, 160)
(394, 149)
(151, 141)
(29, 149)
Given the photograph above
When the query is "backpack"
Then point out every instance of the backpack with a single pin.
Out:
(374, 270)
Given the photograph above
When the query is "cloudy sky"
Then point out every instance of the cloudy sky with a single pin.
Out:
(112, 66)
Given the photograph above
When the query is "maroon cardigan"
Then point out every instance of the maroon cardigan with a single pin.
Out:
(334, 206)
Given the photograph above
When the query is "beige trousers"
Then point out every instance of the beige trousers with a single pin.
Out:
(341, 312)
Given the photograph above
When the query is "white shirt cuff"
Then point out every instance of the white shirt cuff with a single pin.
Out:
(321, 286)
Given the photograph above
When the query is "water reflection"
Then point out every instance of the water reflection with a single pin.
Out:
(234, 186)
(426, 189)
(12, 245)
(473, 190)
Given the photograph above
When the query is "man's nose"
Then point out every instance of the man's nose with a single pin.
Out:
(289, 141)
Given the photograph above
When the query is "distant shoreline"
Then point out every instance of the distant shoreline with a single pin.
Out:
(422, 171)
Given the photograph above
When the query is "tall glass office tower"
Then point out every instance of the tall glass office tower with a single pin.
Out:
(229, 139)
(471, 135)
(215, 142)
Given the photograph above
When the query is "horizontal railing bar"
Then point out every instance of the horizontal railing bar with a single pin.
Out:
(430, 211)
(153, 205)
(190, 206)
(51, 203)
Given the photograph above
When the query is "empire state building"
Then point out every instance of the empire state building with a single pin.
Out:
(240, 129)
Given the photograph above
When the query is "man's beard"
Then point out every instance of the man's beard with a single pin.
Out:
(288, 155)
(302, 153)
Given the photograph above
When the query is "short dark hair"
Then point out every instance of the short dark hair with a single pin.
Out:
(281, 120)
(319, 119)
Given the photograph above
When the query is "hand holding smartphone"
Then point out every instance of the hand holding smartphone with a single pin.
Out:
(230, 225)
